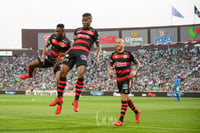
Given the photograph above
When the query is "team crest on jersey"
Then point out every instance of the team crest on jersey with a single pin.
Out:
(125, 56)
(90, 32)
(62, 44)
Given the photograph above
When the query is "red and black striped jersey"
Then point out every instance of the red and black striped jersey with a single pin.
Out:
(122, 63)
(84, 39)
(58, 46)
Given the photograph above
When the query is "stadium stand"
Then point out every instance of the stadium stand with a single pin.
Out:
(155, 75)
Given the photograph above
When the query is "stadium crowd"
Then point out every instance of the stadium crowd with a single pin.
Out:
(156, 73)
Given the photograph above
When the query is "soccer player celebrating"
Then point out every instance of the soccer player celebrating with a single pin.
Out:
(122, 61)
(60, 44)
(84, 38)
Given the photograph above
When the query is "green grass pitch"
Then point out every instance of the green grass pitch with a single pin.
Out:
(26, 114)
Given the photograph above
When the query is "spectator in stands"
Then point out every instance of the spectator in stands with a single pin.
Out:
(157, 65)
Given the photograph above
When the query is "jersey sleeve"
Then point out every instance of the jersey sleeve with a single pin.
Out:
(75, 34)
(132, 57)
(49, 39)
(96, 37)
(111, 60)
(70, 43)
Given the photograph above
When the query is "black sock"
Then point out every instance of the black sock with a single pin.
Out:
(61, 86)
(79, 86)
(132, 106)
(30, 71)
(124, 105)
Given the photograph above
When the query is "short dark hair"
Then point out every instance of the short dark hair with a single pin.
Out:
(60, 26)
(88, 15)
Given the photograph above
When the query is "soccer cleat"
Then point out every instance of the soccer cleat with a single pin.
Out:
(75, 104)
(137, 117)
(58, 100)
(118, 123)
(26, 75)
(58, 110)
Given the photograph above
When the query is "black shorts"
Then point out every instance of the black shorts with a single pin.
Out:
(75, 58)
(124, 86)
(50, 62)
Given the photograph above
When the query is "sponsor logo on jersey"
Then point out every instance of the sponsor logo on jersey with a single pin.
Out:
(121, 64)
(62, 44)
(125, 56)
(83, 36)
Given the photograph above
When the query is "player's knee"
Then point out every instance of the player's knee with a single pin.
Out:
(124, 97)
(31, 66)
(64, 70)
(81, 76)
(63, 74)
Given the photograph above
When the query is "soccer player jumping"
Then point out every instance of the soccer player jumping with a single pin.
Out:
(84, 38)
(60, 44)
(122, 60)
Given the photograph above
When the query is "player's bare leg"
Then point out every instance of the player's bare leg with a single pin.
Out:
(31, 68)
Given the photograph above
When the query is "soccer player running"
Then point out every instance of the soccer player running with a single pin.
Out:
(84, 38)
(60, 44)
(122, 60)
